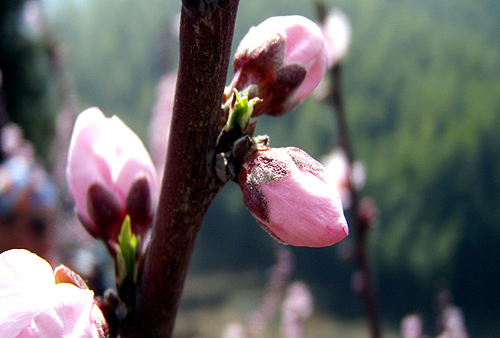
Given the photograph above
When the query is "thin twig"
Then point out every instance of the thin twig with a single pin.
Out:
(358, 225)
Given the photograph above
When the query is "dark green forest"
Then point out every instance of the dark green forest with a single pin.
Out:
(422, 90)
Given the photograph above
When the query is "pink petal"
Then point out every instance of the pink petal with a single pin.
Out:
(134, 161)
(32, 305)
(304, 211)
(85, 167)
(305, 46)
(23, 276)
(337, 31)
(104, 150)
(67, 313)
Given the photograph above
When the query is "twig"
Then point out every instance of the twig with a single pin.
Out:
(358, 225)
(189, 184)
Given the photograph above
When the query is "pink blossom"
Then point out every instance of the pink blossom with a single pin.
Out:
(287, 192)
(339, 171)
(159, 127)
(297, 307)
(337, 31)
(412, 326)
(110, 174)
(285, 57)
(33, 305)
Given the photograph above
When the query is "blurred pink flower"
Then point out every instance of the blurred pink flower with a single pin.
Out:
(297, 307)
(287, 192)
(454, 323)
(34, 305)
(161, 115)
(110, 175)
(337, 31)
(340, 172)
(285, 57)
(412, 326)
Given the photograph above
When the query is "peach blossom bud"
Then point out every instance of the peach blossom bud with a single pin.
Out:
(297, 307)
(286, 191)
(110, 175)
(285, 57)
(35, 305)
(337, 32)
(412, 326)
(345, 175)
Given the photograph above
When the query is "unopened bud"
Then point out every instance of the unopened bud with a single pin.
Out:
(337, 31)
(286, 191)
(285, 58)
(110, 175)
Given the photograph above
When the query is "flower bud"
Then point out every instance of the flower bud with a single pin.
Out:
(285, 57)
(286, 191)
(346, 176)
(35, 303)
(110, 175)
(337, 32)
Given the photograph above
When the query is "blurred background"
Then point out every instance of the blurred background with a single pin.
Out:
(422, 92)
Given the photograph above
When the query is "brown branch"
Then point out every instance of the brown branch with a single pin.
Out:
(359, 225)
(189, 184)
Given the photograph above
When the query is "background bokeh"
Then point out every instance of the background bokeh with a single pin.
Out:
(422, 91)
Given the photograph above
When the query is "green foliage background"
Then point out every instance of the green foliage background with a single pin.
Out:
(422, 86)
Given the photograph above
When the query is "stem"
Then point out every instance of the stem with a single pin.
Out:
(189, 184)
(358, 225)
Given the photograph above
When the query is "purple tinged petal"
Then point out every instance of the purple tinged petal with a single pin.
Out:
(139, 206)
(105, 212)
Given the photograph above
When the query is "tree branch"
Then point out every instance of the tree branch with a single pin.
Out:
(358, 225)
(189, 184)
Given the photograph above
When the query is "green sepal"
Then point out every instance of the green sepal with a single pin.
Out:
(126, 251)
(241, 110)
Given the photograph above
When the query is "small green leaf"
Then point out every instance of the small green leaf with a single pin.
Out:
(121, 265)
(126, 254)
(241, 111)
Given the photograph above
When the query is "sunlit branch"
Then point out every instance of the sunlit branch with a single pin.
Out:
(189, 184)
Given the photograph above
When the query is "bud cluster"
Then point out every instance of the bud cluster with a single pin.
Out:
(276, 66)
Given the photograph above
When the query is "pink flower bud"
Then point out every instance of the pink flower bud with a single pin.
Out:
(110, 175)
(346, 176)
(285, 57)
(34, 305)
(412, 326)
(286, 191)
(337, 31)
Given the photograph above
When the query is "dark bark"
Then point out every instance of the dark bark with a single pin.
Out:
(358, 225)
(189, 184)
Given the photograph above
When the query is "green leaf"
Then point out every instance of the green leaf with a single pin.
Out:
(241, 111)
(126, 254)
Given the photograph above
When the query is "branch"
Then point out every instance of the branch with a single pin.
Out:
(358, 225)
(189, 184)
